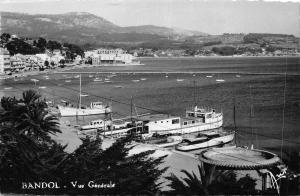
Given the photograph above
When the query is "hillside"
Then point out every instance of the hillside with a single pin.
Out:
(82, 28)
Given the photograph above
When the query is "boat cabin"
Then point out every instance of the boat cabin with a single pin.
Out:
(97, 105)
(99, 122)
(158, 123)
(200, 113)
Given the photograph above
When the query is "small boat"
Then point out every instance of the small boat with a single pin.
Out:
(42, 87)
(106, 79)
(34, 80)
(77, 76)
(166, 76)
(166, 141)
(143, 79)
(220, 80)
(119, 86)
(205, 140)
(90, 76)
(97, 80)
(84, 95)
(238, 76)
(209, 76)
(63, 101)
(7, 88)
(111, 76)
(179, 80)
(67, 81)
(135, 80)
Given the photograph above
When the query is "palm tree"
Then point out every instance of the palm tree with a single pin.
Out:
(29, 116)
(26, 150)
(210, 182)
(191, 184)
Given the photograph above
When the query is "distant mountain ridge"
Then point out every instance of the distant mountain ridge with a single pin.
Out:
(83, 27)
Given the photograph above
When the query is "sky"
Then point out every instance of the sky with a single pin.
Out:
(209, 16)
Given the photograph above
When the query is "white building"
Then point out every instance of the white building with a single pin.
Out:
(43, 57)
(109, 56)
(4, 60)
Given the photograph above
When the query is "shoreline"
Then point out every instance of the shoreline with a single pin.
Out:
(71, 67)
(173, 57)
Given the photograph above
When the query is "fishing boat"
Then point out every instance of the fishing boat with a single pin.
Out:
(220, 80)
(196, 120)
(149, 125)
(97, 124)
(95, 108)
(164, 142)
(205, 140)
(97, 80)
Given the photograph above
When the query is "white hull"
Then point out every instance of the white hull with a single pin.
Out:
(165, 145)
(119, 132)
(86, 127)
(70, 111)
(213, 142)
(192, 129)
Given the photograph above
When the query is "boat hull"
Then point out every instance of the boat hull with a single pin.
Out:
(69, 111)
(192, 129)
(213, 142)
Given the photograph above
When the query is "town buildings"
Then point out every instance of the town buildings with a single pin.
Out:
(4, 60)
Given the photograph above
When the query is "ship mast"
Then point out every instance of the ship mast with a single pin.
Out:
(194, 93)
(79, 91)
(234, 122)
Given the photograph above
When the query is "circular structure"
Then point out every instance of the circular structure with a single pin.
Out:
(239, 158)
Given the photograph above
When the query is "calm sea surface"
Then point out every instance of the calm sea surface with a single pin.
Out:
(274, 99)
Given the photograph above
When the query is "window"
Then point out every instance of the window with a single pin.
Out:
(184, 123)
(193, 122)
(191, 115)
(175, 121)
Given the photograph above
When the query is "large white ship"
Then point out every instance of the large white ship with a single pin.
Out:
(196, 120)
(94, 109)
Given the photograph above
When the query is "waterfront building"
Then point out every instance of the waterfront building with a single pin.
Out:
(109, 56)
(4, 60)
(43, 57)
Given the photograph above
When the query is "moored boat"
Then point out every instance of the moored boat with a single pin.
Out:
(96, 124)
(205, 140)
(196, 120)
(95, 108)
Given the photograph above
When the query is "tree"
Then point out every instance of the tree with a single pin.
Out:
(46, 64)
(52, 45)
(41, 44)
(5, 37)
(28, 154)
(211, 182)
(27, 151)
(62, 63)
